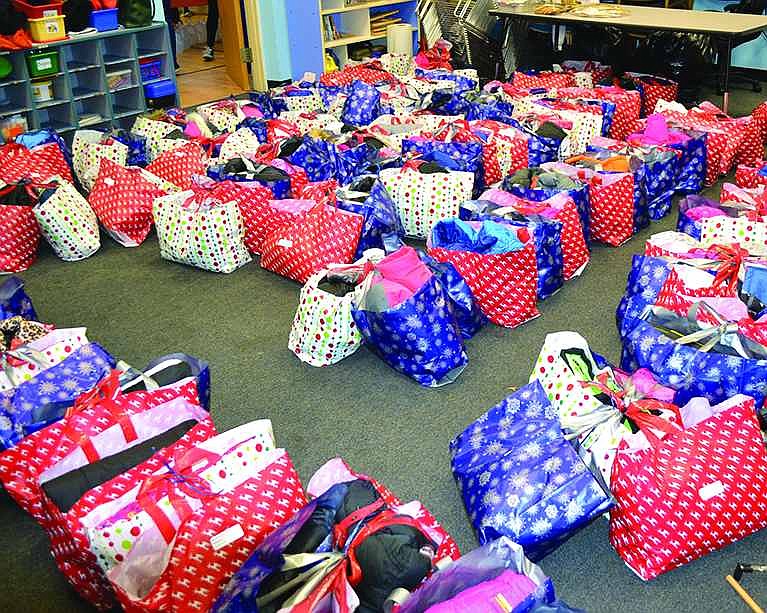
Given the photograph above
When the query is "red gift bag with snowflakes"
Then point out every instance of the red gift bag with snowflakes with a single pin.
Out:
(70, 545)
(692, 492)
(611, 197)
(180, 165)
(213, 542)
(253, 202)
(652, 89)
(749, 176)
(504, 285)
(19, 231)
(39, 164)
(122, 198)
(628, 105)
(545, 78)
(321, 236)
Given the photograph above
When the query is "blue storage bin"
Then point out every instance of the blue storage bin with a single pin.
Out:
(160, 89)
(104, 20)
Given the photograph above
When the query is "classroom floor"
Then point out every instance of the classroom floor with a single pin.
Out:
(199, 81)
(139, 306)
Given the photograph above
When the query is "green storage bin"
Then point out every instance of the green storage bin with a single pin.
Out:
(43, 63)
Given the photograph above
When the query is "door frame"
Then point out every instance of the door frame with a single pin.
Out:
(253, 34)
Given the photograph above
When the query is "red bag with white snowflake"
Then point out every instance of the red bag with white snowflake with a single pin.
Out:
(611, 197)
(545, 78)
(628, 104)
(101, 423)
(692, 492)
(759, 115)
(19, 231)
(187, 568)
(70, 545)
(122, 199)
(749, 176)
(252, 200)
(561, 208)
(297, 175)
(511, 144)
(503, 284)
(460, 131)
(180, 165)
(321, 236)
(652, 89)
(39, 164)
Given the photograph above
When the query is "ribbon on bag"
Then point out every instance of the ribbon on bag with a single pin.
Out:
(180, 479)
(730, 258)
(105, 395)
(643, 412)
(29, 187)
(710, 337)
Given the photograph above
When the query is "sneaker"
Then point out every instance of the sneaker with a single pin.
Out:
(207, 55)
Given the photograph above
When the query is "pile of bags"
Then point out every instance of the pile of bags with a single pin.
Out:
(324, 179)
(148, 506)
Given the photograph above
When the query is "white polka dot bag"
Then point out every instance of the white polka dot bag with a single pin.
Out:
(68, 223)
(424, 199)
(88, 149)
(749, 231)
(155, 132)
(323, 331)
(201, 232)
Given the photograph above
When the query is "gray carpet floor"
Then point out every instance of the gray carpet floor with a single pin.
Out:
(140, 306)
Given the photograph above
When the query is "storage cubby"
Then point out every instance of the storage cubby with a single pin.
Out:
(61, 92)
(150, 43)
(81, 55)
(118, 49)
(120, 77)
(127, 102)
(87, 109)
(80, 87)
(57, 117)
(15, 99)
(86, 83)
(166, 69)
(19, 72)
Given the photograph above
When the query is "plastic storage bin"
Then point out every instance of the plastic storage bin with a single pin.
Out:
(47, 29)
(43, 63)
(161, 94)
(42, 91)
(104, 20)
(38, 11)
(120, 79)
(151, 70)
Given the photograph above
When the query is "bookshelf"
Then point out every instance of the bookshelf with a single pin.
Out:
(82, 95)
(337, 25)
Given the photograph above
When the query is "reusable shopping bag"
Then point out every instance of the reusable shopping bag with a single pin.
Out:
(496, 263)
(38, 164)
(423, 199)
(68, 222)
(14, 300)
(693, 210)
(453, 156)
(598, 406)
(362, 105)
(196, 229)
(652, 89)
(238, 144)
(503, 463)
(88, 148)
(323, 235)
(691, 493)
(323, 330)
(405, 314)
(122, 199)
(751, 176)
(155, 132)
(180, 165)
(224, 115)
(19, 230)
(353, 544)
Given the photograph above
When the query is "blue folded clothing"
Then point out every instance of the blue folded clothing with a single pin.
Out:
(485, 237)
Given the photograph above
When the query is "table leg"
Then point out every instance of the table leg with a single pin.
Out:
(726, 60)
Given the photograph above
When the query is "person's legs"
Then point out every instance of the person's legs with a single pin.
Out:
(212, 27)
(170, 17)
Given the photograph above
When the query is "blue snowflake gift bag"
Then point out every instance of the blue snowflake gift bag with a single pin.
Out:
(45, 398)
(691, 371)
(520, 478)
(645, 280)
(406, 316)
(381, 226)
(362, 106)
(14, 300)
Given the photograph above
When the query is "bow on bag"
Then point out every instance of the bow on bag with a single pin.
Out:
(643, 412)
(730, 258)
(724, 332)
(104, 395)
(28, 186)
(179, 482)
